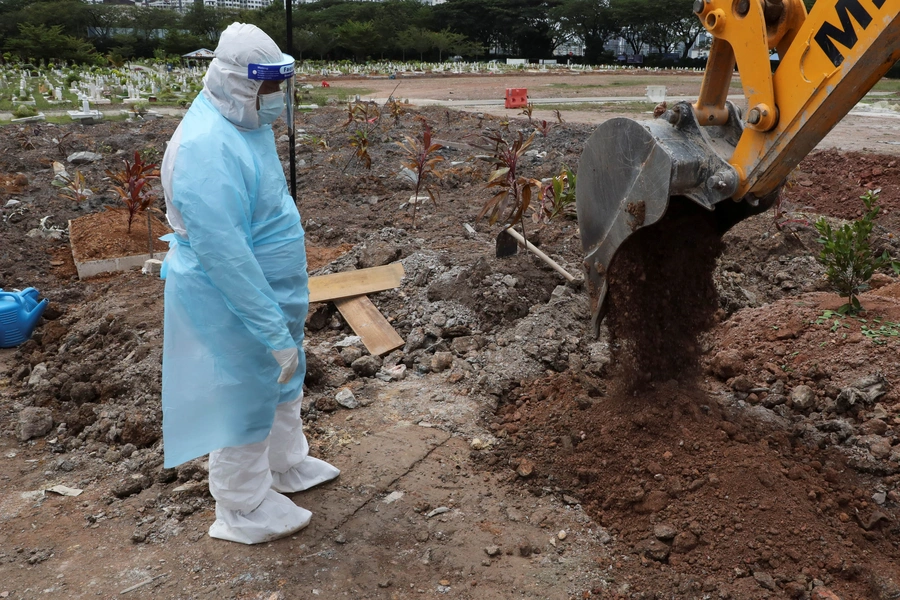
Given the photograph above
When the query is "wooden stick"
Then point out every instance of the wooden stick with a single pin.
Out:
(142, 584)
(553, 264)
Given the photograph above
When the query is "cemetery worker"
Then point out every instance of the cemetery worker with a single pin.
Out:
(236, 298)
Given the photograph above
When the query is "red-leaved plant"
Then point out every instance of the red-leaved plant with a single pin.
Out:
(421, 158)
(134, 188)
(511, 201)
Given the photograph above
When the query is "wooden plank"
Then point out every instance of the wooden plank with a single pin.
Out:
(323, 288)
(369, 324)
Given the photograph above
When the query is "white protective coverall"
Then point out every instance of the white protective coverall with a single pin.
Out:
(236, 300)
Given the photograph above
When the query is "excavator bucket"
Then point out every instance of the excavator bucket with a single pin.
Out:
(630, 170)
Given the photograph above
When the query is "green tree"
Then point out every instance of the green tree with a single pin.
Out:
(447, 40)
(588, 20)
(357, 37)
(418, 39)
(50, 43)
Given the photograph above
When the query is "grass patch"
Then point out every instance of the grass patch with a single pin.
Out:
(887, 85)
(321, 95)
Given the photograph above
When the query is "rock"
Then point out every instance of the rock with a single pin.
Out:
(422, 536)
(492, 550)
(315, 369)
(82, 392)
(437, 511)
(803, 397)
(351, 354)
(561, 535)
(794, 589)
(38, 374)
(130, 486)
(509, 281)
(742, 383)
(525, 468)
(525, 548)
(653, 502)
(873, 427)
(326, 404)
(727, 364)
(823, 593)
(653, 549)
(441, 361)
(464, 344)
(764, 580)
(366, 366)
(863, 392)
(377, 254)
(394, 373)
(345, 398)
(664, 532)
(81, 158)
(34, 422)
(684, 542)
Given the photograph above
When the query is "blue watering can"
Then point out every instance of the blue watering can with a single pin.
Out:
(19, 313)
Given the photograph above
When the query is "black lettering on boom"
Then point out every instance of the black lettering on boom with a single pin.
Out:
(828, 34)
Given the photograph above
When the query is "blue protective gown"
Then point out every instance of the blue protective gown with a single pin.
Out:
(236, 288)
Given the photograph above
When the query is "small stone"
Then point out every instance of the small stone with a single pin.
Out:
(438, 511)
(823, 593)
(509, 281)
(82, 392)
(422, 536)
(350, 354)
(38, 374)
(654, 550)
(879, 498)
(803, 397)
(345, 398)
(664, 532)
(561, 535)
(684, 542)
(570, 500)
(525, 468)
(441, 361)
(385, 583)
(340, 539)
(492, 550)
(727, 364)
(81, 158)
(478, 444)
(765, 580)
(138, 536)
(34, 422)
(366, 366)
(326, 404)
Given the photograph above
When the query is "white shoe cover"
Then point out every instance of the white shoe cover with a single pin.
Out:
(276, 517)
(308, 473)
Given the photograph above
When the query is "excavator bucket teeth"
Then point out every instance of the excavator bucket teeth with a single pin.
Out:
(628, 172)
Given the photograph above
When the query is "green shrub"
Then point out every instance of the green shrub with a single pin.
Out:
(847, 254)
(24, 110)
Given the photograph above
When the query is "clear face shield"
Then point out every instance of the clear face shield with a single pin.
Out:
(280, 71)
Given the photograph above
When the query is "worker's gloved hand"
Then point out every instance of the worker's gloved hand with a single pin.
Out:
(288, 360)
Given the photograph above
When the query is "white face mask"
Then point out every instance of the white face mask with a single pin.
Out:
(270, 107)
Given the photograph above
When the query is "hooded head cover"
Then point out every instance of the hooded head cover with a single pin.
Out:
(228, 84)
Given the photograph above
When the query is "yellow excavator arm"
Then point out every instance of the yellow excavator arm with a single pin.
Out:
(727, 162)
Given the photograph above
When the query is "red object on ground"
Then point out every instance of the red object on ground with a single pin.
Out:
(516, 97)
(326, 84)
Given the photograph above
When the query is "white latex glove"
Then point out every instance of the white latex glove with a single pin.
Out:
(288, 360)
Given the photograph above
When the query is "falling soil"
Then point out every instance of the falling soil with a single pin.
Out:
(662, 295)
